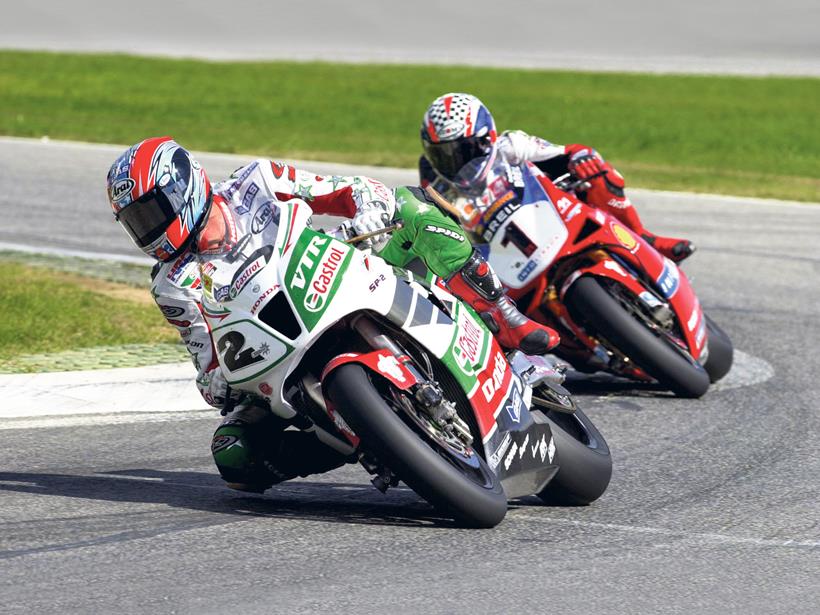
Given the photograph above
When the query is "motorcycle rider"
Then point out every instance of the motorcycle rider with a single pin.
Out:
(461, 145)
(165, 201)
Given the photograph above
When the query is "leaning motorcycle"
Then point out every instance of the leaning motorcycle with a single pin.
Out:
(403, 376)
(619, 305)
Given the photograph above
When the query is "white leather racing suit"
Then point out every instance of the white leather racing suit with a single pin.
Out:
(249, 203)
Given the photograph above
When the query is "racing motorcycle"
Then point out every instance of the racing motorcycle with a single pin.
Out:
(619, 305)
(402, 375)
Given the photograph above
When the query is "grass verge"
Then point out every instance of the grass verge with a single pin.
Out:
(740, 135)
(48, 311)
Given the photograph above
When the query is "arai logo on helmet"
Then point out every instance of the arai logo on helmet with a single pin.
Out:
(121, 188)
(323, 279)
(450, 129)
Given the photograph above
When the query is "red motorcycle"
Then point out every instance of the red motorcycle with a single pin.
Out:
(619, 305)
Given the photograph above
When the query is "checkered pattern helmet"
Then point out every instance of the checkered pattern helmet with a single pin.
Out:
(459, 138)
(160, 195)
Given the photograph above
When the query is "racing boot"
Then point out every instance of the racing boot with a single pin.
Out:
(477, 284)
(672, 248)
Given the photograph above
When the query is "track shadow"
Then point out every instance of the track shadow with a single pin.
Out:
(332, 502)
(602, 384)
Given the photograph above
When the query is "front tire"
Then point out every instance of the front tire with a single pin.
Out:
(592, 304)
(721, 351)
(413, 459)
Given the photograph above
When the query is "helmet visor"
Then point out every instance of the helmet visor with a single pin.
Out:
(150, 215)
(450, 157)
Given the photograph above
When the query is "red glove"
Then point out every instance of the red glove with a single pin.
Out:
(586, 166)
(605, 183)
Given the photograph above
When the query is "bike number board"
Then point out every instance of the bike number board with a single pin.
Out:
(246, 350)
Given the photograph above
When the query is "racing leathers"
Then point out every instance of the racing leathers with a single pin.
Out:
(251, 448)
(605, 185)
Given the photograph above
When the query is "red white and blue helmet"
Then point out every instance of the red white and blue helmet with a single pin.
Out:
(459, 139)
(160, 195)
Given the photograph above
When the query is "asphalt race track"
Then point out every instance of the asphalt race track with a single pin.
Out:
(714, 504)
(728, 36)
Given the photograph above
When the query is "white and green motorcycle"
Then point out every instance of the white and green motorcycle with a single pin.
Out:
(406, 377)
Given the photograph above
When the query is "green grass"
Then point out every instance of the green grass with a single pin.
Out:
(48, 311)
(749, 136)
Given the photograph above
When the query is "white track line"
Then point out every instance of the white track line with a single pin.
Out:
(698, 538)
(134, 390)
(87, 420)
(65, 252)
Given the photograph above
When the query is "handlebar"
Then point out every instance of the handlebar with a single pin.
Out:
(567, 183)
(345, 229)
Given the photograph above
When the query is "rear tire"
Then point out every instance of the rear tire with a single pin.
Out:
(590, 303)
(721, 351)
(585, 463)
(412, 458)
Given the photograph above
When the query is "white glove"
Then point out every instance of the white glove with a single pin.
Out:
(373, 216)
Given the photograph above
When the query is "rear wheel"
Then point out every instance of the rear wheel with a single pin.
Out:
(721, 351)
(604, 315)
(583, 457)
(457, 481)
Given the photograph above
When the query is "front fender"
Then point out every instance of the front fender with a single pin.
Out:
(604, 268)
(670, 283)
(381, 362)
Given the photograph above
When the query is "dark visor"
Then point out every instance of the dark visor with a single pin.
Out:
(449, 158)
(148, 217)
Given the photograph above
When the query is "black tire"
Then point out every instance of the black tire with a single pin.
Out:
(585, 463)
(592, 304)
(721, 351)
(411, 458)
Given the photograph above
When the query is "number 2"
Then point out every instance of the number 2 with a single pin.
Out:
(235, 358)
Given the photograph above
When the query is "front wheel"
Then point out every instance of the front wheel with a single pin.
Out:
(591, 304)
(721, 351)
(461, 485)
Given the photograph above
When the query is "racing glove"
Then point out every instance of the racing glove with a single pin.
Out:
(373, 216)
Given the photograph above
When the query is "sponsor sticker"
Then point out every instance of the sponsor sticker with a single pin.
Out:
(221, 293)
(432, 228)
(510, 456)
(624, 237)
(613, 266)
(493, 383)
(494, 222)
(171, 311)
(498, 455)
(267, 213)
(249, 272)
(468, 344)
(527, 270)
(322, 282)
(220, 443)
(388, 364)
(307, 261)
(261, 299)
(513, 406)
(669, 280)
(121, 188)
(247, 199)
(265, 388)
(523, 448)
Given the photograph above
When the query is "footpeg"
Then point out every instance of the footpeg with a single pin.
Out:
(535, 369)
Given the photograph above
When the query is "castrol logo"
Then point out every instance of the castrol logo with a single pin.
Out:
(323, 279)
